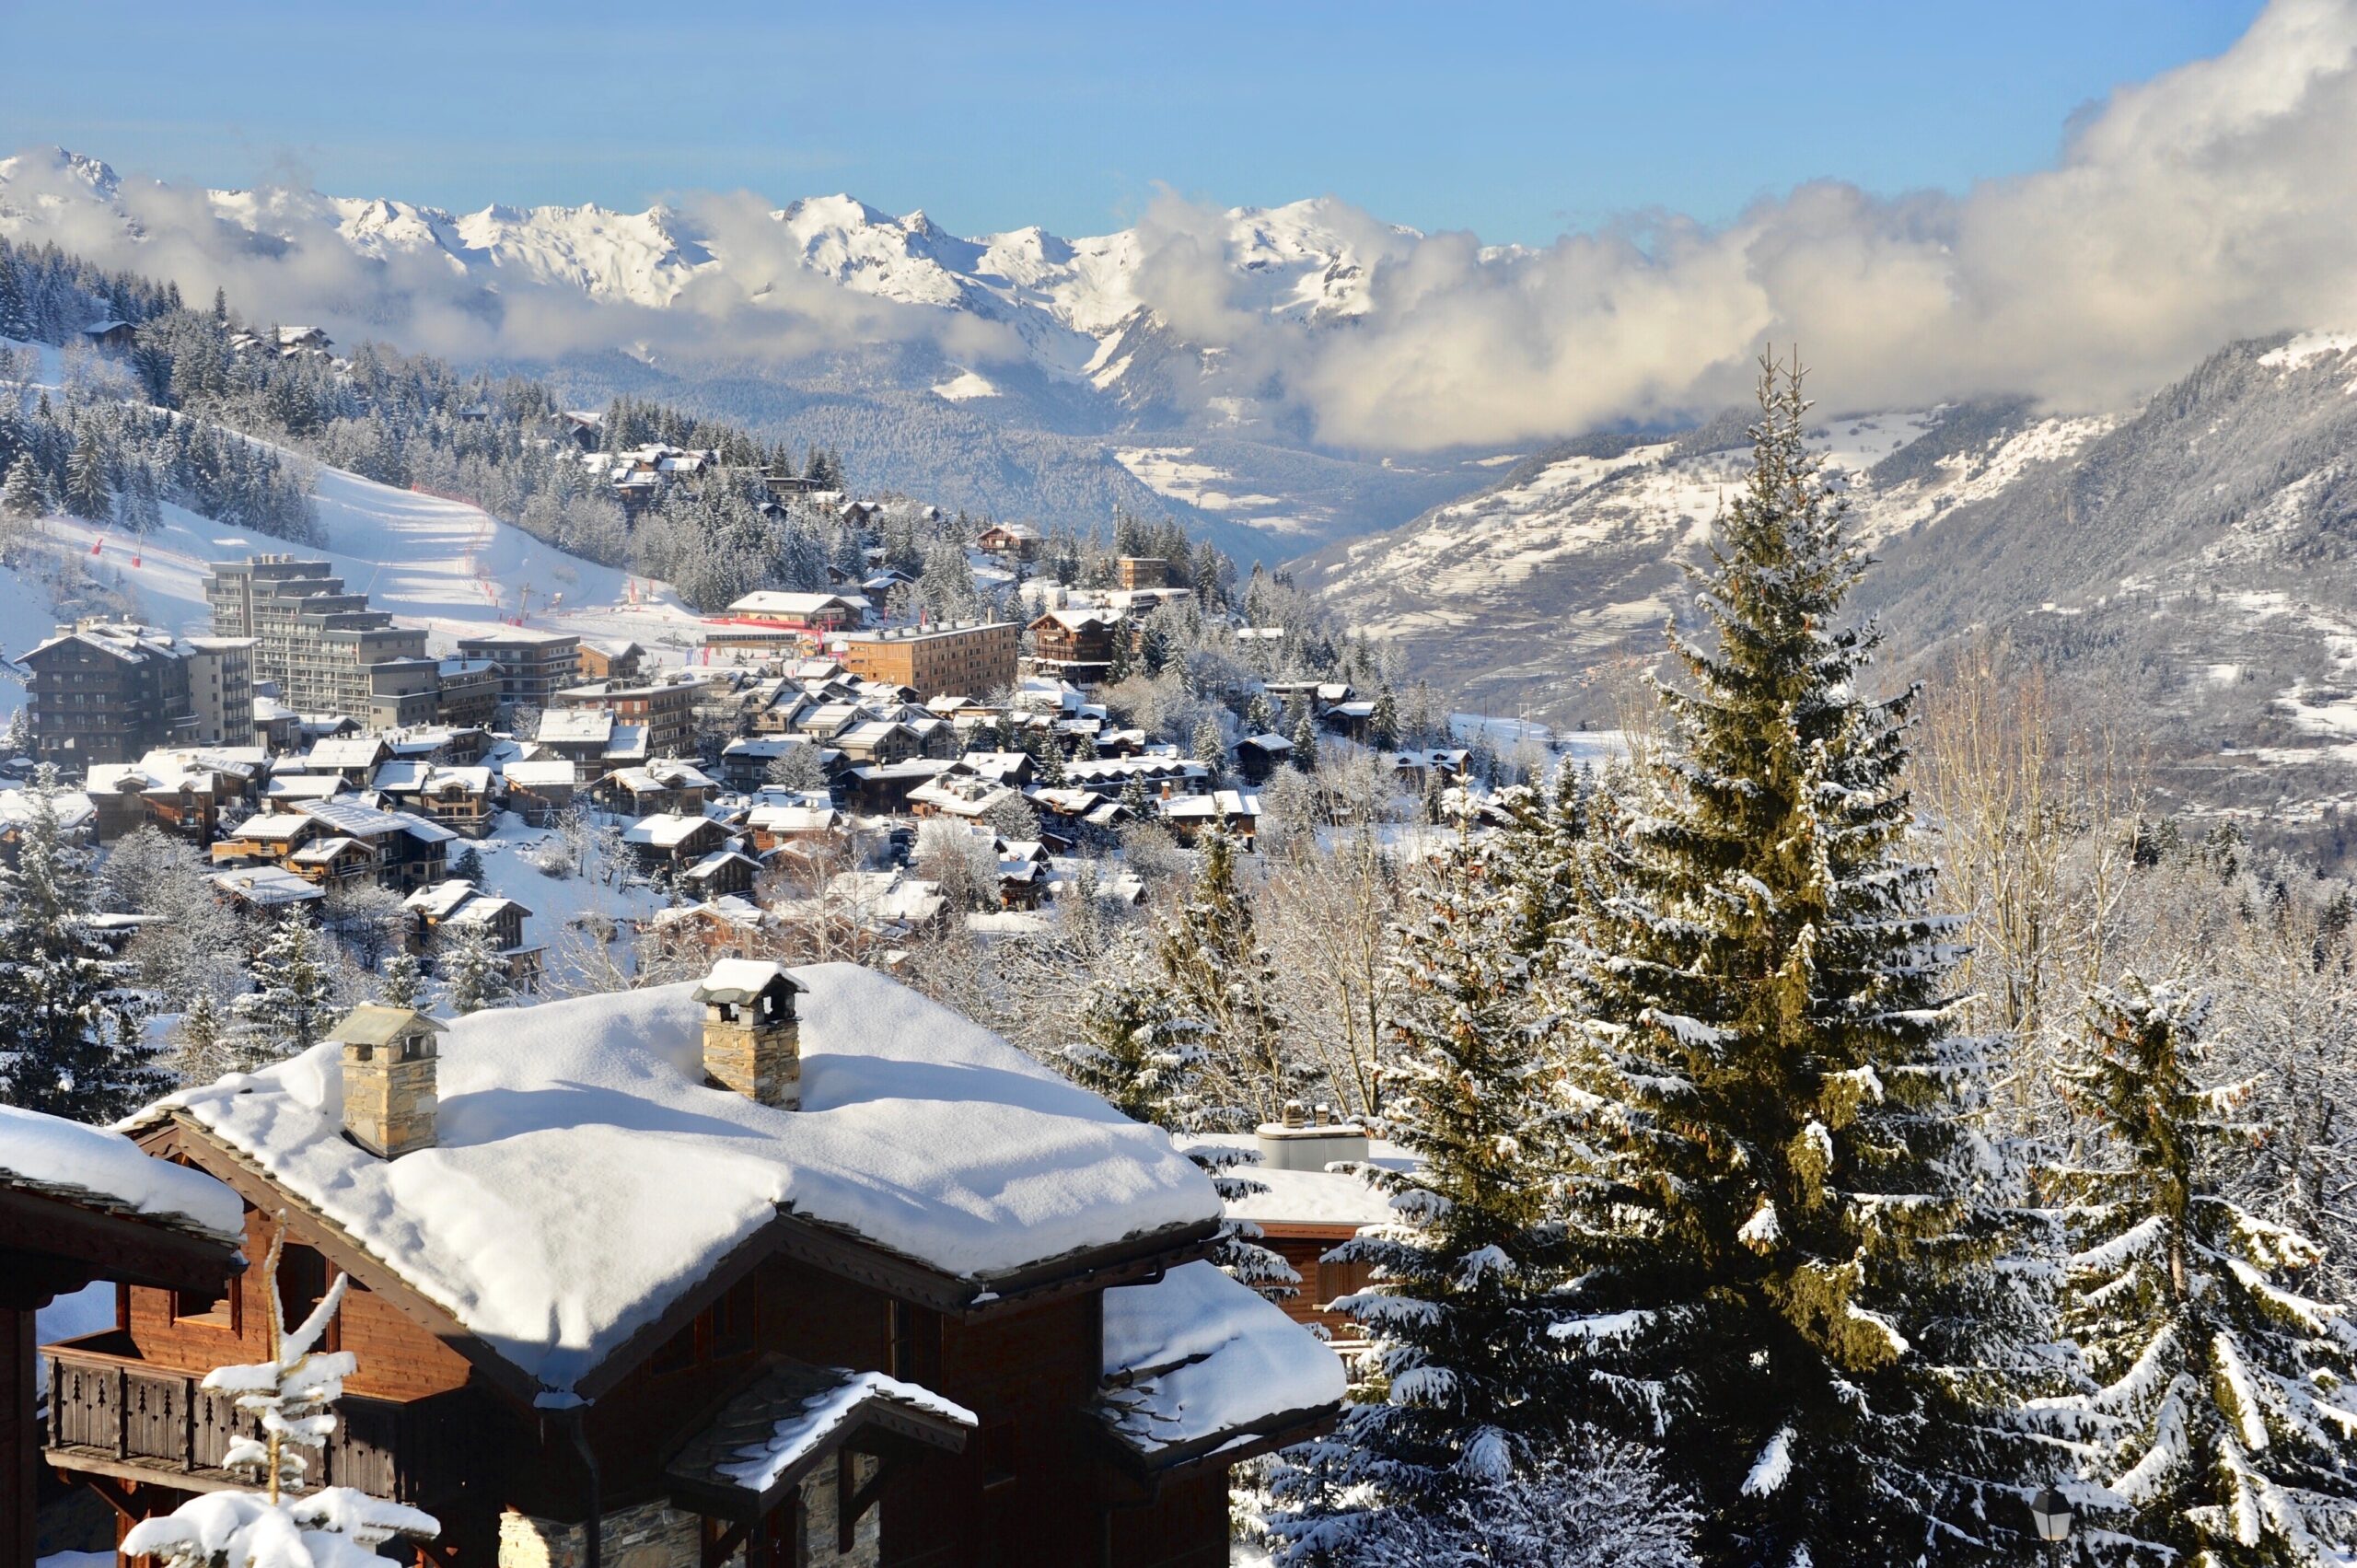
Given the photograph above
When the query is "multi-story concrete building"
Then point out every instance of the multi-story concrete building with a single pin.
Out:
(948, 661)
(318, 642)
(534, 665)
(221, 689)
(108, 692)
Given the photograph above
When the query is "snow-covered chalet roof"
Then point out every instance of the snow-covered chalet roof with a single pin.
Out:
(1195, 1363)
(103, 1169)
(1308, 1197)
(585, 1177)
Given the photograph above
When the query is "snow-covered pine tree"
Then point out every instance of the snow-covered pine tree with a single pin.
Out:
(1593, 1505)
(1786, 1220)
(285, 1012)
(474, 970)
(1469, 1385)
(1218, 978)
(468, 867)
(65, 1048)
(1305, 735)
(2221, 1428)
(201, 1041)
(403, 980)
(1545, 857)
(1138, 1055)
(290, 1397)
(22, 493)
(88, 495)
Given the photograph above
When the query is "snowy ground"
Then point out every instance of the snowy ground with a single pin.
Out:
(445, 565)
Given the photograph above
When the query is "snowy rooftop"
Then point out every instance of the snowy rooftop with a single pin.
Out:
(585, 1176)
(1196, 1355)
(1309, 1197)
(104, 1169)
(268, 886)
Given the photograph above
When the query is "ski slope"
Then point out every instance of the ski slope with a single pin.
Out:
(443, 564)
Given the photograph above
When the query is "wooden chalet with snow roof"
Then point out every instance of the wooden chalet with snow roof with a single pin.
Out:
(784, 1267)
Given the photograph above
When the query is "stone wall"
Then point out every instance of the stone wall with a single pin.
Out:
(656, 1535)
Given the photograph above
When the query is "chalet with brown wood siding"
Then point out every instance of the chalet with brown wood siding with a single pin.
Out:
(786, 1267)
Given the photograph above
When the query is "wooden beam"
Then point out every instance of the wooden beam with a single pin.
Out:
(19, 1439)
(111, 1246)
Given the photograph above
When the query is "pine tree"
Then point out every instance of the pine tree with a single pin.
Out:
(68, 1041)
(468, 867)
(1787, 1222)
(201, 1041)
(285, 1013)
(15, 318)
(1383, 724)
(475, 969)
(290, 1398)
(2222, 1423)
(88, 495)
(1209, 745)
(1140, 1055)
(1470, 1385)
(403, 982)
(1218, 980)
(21, 493)
(1305, 736)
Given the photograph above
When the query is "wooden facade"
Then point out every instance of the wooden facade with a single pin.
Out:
(435, 1417)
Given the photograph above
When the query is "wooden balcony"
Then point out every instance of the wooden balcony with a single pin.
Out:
(111, 1413)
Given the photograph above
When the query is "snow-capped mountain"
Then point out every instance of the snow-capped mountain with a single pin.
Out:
(2190, 565)
(1022, 372)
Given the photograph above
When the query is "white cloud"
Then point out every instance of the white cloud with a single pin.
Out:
(2215, 202)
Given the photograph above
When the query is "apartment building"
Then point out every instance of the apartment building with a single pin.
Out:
(108, 692)
(969, 660)
(221, 689)
(318, 642)
(534, 665)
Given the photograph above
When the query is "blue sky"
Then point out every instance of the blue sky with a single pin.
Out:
(1516, 122)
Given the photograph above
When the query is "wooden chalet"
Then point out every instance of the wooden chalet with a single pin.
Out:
(78, 1205)
(1009, 541)
(695, 1274)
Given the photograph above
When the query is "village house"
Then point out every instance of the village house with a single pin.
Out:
(339, 842)
(581, 736)
(78, 1205)
(264, 890)
(611, 659)
(454, 905)
(1307, 1210)
(1075, 644)
(665, 708)
(724, 873)
(801, 611)
(537, 790)
(675, 841)
(666, 785)
(1258, 756)
(1060, 1380)
(459, 798)
(1009, 541)
(1190, 815)
(745, 763)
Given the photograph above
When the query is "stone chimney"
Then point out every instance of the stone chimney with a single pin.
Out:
(388, 1064)
(752, 1041)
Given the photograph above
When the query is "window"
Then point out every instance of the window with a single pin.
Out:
(206, 1309)
(302, 1281)
(916, 1343)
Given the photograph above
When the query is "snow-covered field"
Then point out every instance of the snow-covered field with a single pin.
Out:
(443, 564)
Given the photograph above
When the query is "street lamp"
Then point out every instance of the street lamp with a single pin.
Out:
(2050, 1512)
